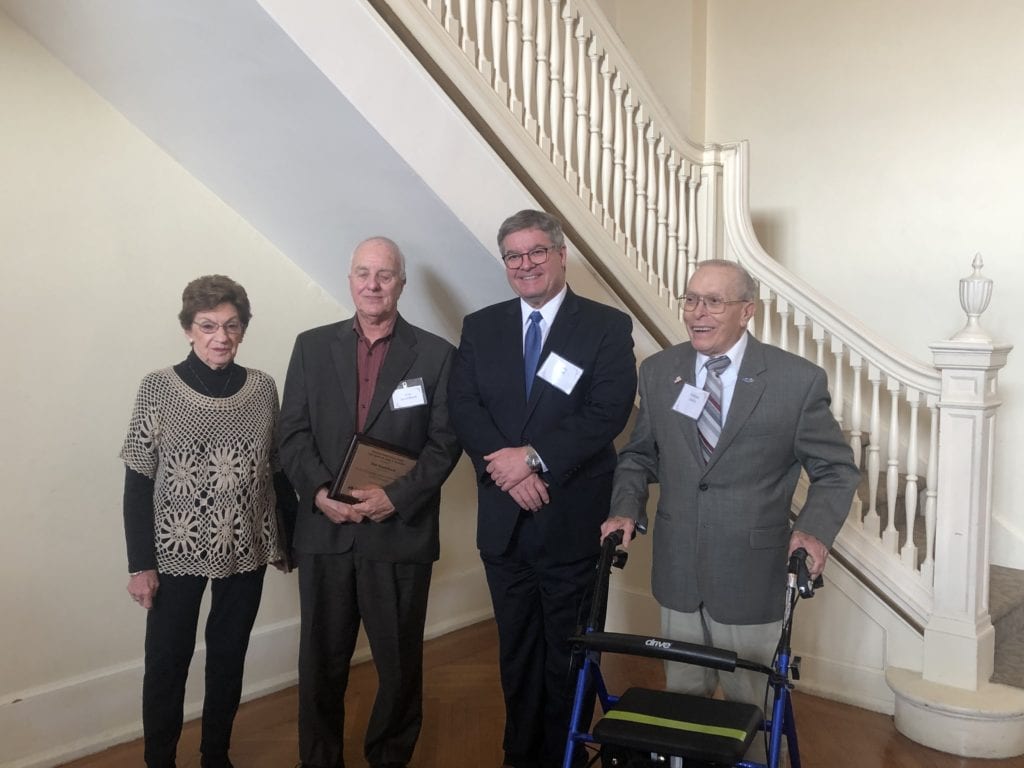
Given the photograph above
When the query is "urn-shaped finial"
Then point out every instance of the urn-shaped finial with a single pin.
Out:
(975, 292)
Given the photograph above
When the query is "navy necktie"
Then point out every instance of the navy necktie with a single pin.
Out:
(531, 350)
(709, 424)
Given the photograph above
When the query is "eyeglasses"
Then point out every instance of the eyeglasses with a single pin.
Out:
(714, 304)
(537, 256)
(231, 327)
(382, 276)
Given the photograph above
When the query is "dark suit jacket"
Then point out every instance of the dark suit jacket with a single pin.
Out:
(572, 433)
(722, 530)
(318, 417)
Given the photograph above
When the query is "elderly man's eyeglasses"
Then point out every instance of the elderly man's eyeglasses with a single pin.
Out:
(537, 256)
(382, 276)
(714, 304)
(231, 327)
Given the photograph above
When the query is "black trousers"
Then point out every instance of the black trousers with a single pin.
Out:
(537, 603)
(170, 641)
(337, 592)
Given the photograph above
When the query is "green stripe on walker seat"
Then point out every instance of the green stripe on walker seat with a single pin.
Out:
(679, 725)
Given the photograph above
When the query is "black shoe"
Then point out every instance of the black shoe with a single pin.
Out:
(221, 761)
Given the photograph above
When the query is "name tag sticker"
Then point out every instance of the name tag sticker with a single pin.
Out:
(408, 394)
(559, 372)
(690, 401)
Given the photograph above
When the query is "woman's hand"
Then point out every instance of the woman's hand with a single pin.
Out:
(143, 586)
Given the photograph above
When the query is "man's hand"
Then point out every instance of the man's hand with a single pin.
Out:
(143, 587)
(619, 523)
(373, 503)
(530, 493)
(336, 511)
(507, 467)
(817, 553)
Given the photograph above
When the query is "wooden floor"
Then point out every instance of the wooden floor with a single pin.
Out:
(464, 718)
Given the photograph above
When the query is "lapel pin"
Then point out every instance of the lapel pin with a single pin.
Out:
(677, 379)
(747, 380)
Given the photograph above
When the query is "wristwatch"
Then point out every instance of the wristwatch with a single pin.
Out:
(533, 459)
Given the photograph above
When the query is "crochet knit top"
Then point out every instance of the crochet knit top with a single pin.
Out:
(211, 460)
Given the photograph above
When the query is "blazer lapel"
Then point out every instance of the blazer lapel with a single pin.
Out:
(558, 338)
(343, 355)
(683, 367)
(745, 396)
(401, 355)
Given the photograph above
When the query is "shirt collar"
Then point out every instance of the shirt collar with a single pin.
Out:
(548, 311)
(735, 353)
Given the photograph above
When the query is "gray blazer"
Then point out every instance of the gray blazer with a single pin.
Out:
(317, 421)
(722, 530)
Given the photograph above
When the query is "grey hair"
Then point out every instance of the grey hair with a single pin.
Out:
(530, 219)
(388, 243)
(747, 284)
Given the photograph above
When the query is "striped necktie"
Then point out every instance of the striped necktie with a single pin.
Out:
(709, 424)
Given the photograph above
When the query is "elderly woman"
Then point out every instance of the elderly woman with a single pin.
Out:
(200, 505)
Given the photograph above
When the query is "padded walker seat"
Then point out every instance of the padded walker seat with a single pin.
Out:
(694, 727)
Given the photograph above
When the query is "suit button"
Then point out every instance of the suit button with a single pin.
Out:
(703, 486)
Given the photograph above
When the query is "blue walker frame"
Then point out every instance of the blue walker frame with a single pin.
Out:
(593, 641)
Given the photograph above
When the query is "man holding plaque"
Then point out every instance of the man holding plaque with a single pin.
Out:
(365, 439)
(540, 387)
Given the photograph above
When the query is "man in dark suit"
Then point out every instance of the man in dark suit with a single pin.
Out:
(367, 561)
(540, 387)
(725, 425)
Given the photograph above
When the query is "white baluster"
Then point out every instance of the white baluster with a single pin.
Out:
(464, 41)
(672, 262)
(661, 216)
(512, 56)
(765, 293)
(569, 88)
(872, 520)
(682, 272)
(594, 124)
(641, 187)
(692, 243)
(543, 78)
(498, 46)
(529, 60)
(909, 551)
(556, 81)
(856, 435)
(618, 152)
(651, 227)
(480, 24)
(629, 171)
(582, 102)
(818, 334)
(837, 381)
(931, 492)
(800, 323)
(607, 139)
(782, 310)
(890, 536)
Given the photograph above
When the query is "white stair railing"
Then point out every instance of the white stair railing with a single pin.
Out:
(567, 107)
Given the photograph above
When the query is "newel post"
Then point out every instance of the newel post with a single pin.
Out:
(959, 637)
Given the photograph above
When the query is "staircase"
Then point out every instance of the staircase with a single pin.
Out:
(551, 88)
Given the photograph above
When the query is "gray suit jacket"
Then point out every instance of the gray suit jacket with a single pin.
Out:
(722, 530)
(317, 421)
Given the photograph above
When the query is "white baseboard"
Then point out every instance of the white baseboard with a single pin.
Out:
(79, 716)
